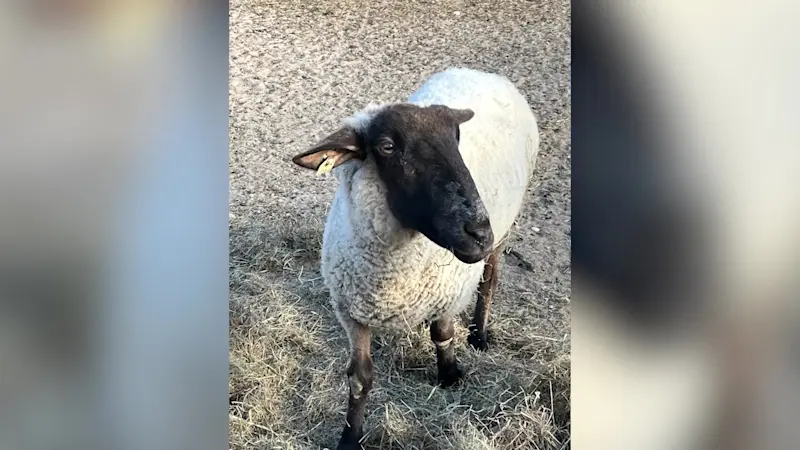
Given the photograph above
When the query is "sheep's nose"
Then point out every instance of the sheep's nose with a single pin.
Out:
(481, 231)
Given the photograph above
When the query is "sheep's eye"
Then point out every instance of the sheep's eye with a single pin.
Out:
(386, 147)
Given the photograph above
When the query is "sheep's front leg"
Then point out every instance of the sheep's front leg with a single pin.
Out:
(442, 333)
(478, 331)
(359, 375)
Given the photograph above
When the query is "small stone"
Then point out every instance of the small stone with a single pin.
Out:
(535, 229)
(457, 13)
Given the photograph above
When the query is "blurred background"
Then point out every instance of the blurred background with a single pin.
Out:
(685, 211)
(113, 225)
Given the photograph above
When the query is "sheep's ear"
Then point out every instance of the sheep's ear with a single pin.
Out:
(458, 115)
(341, 146)
(461, 115)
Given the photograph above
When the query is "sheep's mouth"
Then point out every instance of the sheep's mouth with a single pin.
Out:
(471, 244)
(470, 258)
(467, 251)
(471, 252)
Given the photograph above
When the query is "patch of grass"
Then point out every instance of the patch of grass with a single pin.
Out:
(292, 244)
(288, 354)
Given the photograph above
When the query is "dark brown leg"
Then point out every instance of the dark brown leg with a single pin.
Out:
(442, 333)
(478, 331)
(359, 374)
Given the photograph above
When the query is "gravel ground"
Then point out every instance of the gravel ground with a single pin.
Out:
(296, 69)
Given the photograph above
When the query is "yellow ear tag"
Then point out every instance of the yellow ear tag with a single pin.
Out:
(326, 165)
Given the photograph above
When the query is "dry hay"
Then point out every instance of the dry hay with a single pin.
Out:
(288, 354)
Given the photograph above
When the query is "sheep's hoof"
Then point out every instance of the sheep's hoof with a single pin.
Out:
(479, 341)
(349, 441)
(449, 376)
(349, 446)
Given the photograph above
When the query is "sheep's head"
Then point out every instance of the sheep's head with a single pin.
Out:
(429, 188)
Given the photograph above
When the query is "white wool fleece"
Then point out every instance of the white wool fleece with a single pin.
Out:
(387, 277)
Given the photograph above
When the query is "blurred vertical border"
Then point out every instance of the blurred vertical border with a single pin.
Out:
(686, 207)
(113, 224)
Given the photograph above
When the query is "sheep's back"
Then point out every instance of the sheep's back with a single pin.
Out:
(499, 144)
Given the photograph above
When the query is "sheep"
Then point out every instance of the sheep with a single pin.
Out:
(428, 186)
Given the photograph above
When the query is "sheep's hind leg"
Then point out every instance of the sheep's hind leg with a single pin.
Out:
(478, 331)
(359, 375)
(442, 333)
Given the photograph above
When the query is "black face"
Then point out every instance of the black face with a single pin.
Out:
(429, 187)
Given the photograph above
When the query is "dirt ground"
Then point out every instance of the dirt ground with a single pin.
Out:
(296, 69)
